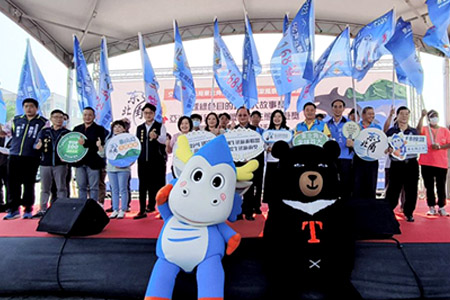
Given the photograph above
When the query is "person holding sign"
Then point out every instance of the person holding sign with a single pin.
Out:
(311, 123)
(118, 177)
(277, 122)
(366, 172)
(88, 168)
(434, 164)
(252, 198)
(151, 161)
(212, 124)
(403, 174)
(52, 168)
(336, 125)
(23, 161)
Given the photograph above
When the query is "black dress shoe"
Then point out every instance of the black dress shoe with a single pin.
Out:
(140, 216)
(109, 210)
(240, 217)
(409, 218)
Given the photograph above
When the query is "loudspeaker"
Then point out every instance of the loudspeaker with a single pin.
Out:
(74, 217)
(373, 219)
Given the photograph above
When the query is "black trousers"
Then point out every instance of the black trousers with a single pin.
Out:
(432, 175)
(22, 171)
(152, 177)
(403, 175)
(270, 180)
(366, 177)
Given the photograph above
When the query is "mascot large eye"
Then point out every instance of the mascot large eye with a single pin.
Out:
(218, 181)
(197, 175)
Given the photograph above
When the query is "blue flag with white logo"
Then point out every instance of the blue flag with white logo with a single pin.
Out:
(184, 89)
(103, 115)
(437, 35)
(292, 62)
(226, 72)
(407, 64)
(87, 96)
(251, 67)
(32, 83)
(150, 82)
(335, 62)
(2, 109)
(368, 45)
(287, 96)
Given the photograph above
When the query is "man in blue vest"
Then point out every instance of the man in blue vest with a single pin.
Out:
(336, 124)
(311, 123)
(24, 158)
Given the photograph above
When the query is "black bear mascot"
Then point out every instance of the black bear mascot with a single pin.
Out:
(308, 234)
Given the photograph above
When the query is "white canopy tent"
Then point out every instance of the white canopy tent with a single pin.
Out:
(53, 22)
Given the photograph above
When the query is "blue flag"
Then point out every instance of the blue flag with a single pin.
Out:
(226, 72)
(437, 35)
(335, 62)
(87, 96)
(407, 64)
(2, 109)
(150, 82)
(103, 115)
(32, 83)
(368, 45)
(184, 89)
(287, 96)
(251, 67)
(292, 62)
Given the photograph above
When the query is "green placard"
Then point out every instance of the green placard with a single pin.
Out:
(68, 148)
(310, 138)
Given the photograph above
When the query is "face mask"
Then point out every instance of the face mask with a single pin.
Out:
(196, 123)
(434, 121)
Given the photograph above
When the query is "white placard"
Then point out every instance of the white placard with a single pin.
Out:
(272, 136)
(123, 150)
(371, 144)
(244, 144)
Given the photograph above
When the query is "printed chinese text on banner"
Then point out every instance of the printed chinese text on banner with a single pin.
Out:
(32, 83)
(407, 64)
(251, 67)
(368, 45)
(150, 82)
(184, 89)
(87, 96)
(287, 96)
(437, 35)
(103, 112)
(334, 62)
(292, 62)
(226, 72)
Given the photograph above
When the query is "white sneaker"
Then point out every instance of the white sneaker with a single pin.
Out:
(114, 214)
(121, 214)
(432, 211)
(443, 213)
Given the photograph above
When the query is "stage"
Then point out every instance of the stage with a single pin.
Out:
(116, 264)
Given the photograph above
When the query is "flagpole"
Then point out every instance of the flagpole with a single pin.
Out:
(354, 99)
(181, 95)
(393, 82)
(107, 64)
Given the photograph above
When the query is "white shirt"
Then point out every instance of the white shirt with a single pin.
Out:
(162, 137)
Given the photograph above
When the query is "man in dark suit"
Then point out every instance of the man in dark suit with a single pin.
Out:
(152, 160)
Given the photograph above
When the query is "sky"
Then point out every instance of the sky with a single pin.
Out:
(199, 53)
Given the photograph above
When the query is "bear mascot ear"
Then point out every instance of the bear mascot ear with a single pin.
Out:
(279, 149)
(332, 149)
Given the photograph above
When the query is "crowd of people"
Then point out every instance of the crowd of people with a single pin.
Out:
(32, 141)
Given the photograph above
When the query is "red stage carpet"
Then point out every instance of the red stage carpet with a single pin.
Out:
(425, 229)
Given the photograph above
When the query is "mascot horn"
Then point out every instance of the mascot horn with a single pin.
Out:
(194, 208)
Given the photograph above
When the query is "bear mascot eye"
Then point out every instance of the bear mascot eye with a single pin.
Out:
(217, 182)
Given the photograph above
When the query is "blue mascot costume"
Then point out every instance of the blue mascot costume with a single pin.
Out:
(194, 208)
